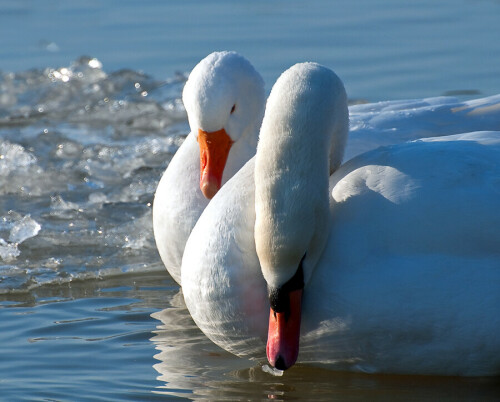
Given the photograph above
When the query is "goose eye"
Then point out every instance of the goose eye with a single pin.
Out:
(233, 108)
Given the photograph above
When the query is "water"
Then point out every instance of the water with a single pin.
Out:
(387, 50)
(87, 310)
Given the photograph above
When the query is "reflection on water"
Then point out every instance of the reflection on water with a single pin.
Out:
(189, 361)
(131, 337)
(191, 366)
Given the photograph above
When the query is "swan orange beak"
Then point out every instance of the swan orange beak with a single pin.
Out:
(284, 333)
(214, 149)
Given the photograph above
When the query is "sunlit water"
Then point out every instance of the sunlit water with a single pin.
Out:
(87, 310)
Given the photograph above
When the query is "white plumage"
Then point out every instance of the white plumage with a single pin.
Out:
(409, 280)
(219, 82)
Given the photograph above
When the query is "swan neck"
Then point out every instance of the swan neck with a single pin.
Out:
(302, 138)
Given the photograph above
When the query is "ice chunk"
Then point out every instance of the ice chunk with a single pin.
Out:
(24, 229)
(272, 370)
(136, 243)
(57, 203)
(98, 198)
(8, 251)
(13, 157)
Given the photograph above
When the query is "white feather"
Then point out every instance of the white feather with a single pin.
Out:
(218, 82)
(409, 280)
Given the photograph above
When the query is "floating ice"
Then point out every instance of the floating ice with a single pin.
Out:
(137, 243)
(81, 152)
(84, 93)
(13, 157)
(24, 229)
(272, 370)
(98, 198)
(57, 203)
(8, 251)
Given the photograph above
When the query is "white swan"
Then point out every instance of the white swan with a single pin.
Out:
(224, 98)
(223, 80)
(409, 279)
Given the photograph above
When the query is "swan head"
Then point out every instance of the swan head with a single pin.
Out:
(224, 98)
(302, 139)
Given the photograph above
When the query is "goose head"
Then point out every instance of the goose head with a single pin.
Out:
(301, 141)
(224, 98)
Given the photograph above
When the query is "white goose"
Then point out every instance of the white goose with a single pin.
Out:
(397, 271)
(224, 98)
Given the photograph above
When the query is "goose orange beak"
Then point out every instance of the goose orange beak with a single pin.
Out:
(284, 333)
(214, 149)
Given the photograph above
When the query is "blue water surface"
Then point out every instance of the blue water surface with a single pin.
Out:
(383, 50)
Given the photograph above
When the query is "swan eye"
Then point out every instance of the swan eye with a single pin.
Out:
(233, 108)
